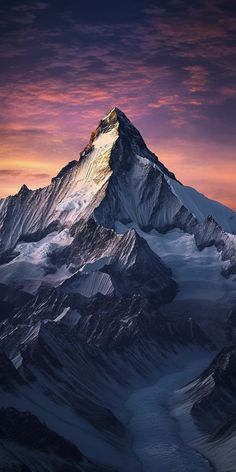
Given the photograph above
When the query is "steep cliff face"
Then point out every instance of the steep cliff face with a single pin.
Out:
(119, 178)
(73, 194)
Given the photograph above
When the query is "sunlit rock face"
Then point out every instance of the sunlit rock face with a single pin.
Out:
(115, 171)
(117, 288)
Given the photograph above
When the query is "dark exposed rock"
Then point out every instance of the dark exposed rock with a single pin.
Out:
(11, 300)
(65, 169)
(131, 264)
(24, 191)
(9, 376)
(210, 233)
(25, 430)
(8, 256)
(213, 393)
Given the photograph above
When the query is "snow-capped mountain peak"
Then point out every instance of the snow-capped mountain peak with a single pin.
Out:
(117, 178)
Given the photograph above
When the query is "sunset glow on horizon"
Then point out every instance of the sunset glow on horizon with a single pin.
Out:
(170, 66)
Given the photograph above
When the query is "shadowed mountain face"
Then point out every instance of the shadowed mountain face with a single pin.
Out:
(116, 287)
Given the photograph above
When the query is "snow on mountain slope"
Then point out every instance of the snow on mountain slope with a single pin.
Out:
(31, 265)
(142, 190)
(119, 177)
(209, 234)
(204, 294)
(202, 207)
(199, 273)
(95, 260)
(44, 237)
(71, 196)
(91, 283)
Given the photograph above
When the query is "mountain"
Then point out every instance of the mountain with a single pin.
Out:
(115, 166)
(117, 287)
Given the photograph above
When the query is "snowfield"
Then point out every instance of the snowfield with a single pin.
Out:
(198, 273)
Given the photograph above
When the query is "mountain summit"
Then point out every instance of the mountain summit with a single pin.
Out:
(116, 179)
(116, 125)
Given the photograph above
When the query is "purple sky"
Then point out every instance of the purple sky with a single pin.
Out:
(169, 65)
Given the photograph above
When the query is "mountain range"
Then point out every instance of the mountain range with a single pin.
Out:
(117, 317)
